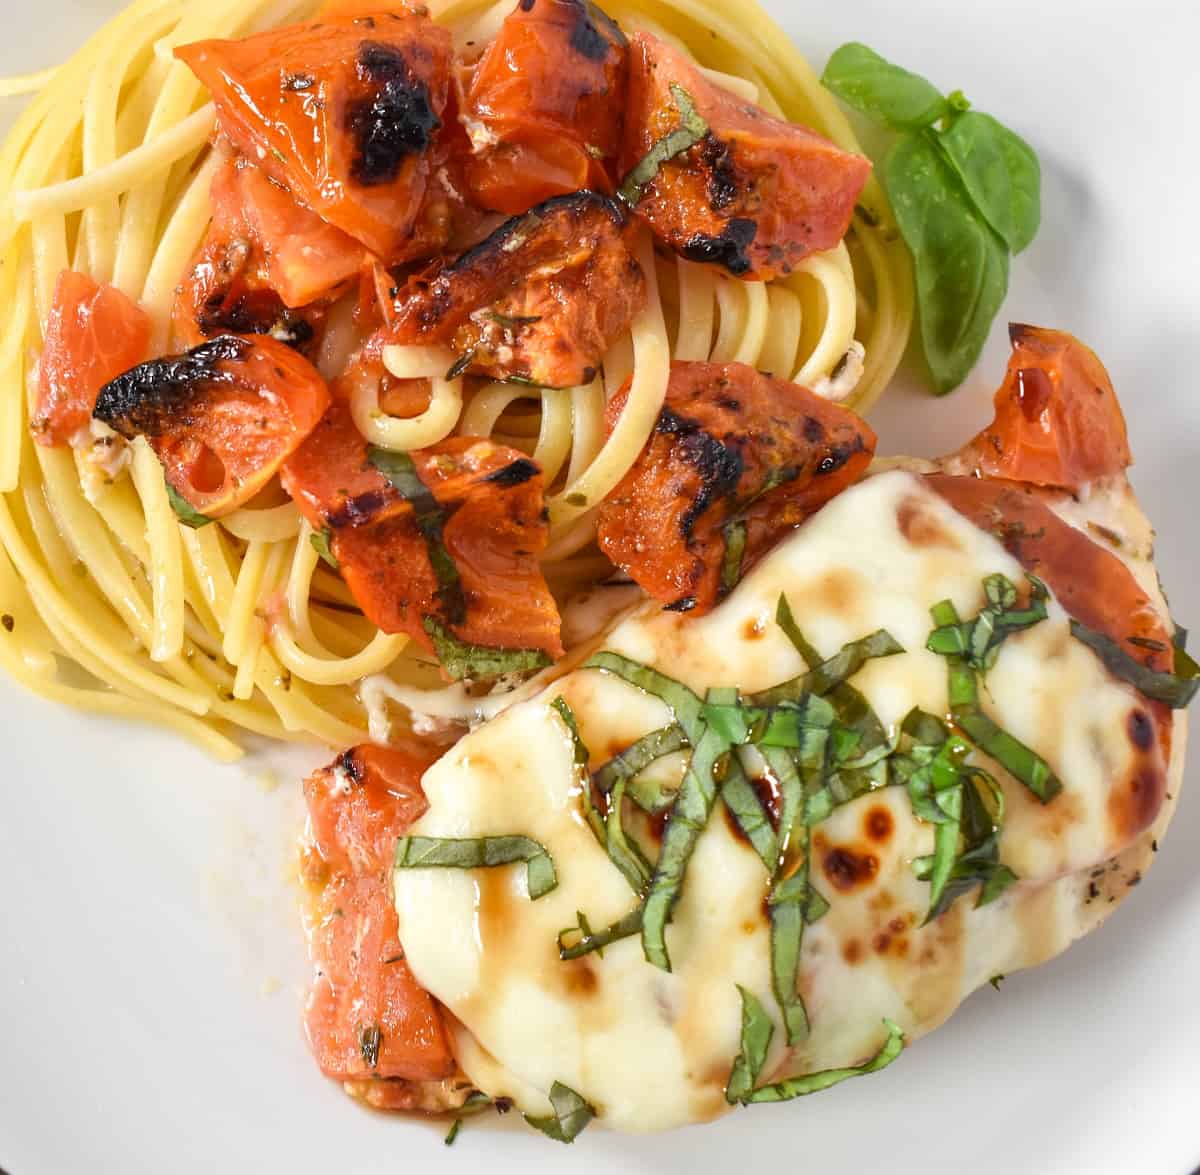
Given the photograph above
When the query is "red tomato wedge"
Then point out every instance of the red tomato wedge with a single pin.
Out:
(459, 547)
(93, 334)
(540, 300)
(222, 417)
(344, 113)
(755, 195)
(736, 459)
(367, 1017)
(543, 107)
(1058, 422)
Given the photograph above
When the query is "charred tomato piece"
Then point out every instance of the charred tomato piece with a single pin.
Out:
(1058, 422)
(538, 301)
(542, 109)
(344, 113)
(93, 334)
(367, 1018)
(222, 417)
(441, 543)
(753, 194)
(736, 459)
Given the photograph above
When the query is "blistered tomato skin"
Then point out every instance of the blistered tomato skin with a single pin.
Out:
(542, 106)
(345, 114)
(755, 195)
(222, 417)
(1058, 422)
(93, 334)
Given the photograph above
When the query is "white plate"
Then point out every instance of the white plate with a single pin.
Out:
(150, 962)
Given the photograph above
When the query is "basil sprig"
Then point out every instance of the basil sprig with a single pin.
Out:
(479, 662)
(682, 137)
(757, 1031)
(1172, 689)
(484, 852)
(978, 641)
(184, 510)
(966, 192)
(571, 1115)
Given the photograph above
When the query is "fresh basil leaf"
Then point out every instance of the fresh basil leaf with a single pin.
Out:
(882, 91)
(746, 808)
(321, 540)
(787, 903)
(1013, 755)
(783, 1091)
(723, 712)
(960, 264)
(479, 662)
(571, 1115)
(683, 702)
(564, 711)
(824, 678)
(1172, 689)
(1000, 172)
(691, 129)
(588, 941)
(623, 852)
(731, 560)
(184, 510)
(484, 852)
(757, 1031)
(632, 761)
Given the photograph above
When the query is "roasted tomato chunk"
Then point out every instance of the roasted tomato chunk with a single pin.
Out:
(539, 300)
(755, 194)
(367, 1017)
(452, 549)
(543, 106)
(736, 459)
(344, 113)
(1058, 422)
(222, 417)
(93, 333)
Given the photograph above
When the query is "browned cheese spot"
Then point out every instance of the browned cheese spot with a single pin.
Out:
(848, 868)
(878, 823)
(921, 527)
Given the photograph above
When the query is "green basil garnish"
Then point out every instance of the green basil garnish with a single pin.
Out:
(571, 1115)
(826, 676)
(757, 1031)
(479, 662)
(184, 510)
(589, 940)
(978, 641)
(966, 192)
(485, 852)
(321, 540)
(1172, 689)
(731, 560)
(431, 519)
(691, 129)
(632, 761)
(684, 704)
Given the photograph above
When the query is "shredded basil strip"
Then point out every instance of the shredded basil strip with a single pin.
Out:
(794, 1087)
(184, 510)
(826, 676)
(623, 852)
(479, 662)
(757, 1031)
(632, 761)
(452, 1133)
(1172, 689)
(581, 755)
(485, 852)
(571, 1115)
(320, 540)
(691, 129)
(746, 808)
(978, 641)
(697, 795)
(430, 518)
(684, 704)
(589, 940)
(735, 552)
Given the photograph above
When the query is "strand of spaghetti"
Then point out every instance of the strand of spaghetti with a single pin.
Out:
(274, 524)
(694, 338)
(26, 83)
(778, 354)
(892, 319)
(245, 598)
(746, 90)
(587, 427)
(838, 329)
(572, 538)
(382, 650)
(247, 663)
(743, 320)
(554, 434)
(12, 375)
(166, 552)
(405, 433)
(119, 176)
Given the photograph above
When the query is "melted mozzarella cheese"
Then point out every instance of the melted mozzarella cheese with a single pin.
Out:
(650, 1049)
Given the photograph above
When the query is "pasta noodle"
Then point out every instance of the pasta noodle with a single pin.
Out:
(236, 626)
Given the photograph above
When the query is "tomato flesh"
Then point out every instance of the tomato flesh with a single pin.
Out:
(367, 1018)
(93, 334)
(540, 105)
(730, 444)
(1058, 421)
(344, 113)
(756, 195)
(222, 417)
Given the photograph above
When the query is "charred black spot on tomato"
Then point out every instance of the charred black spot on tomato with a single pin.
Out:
(1141, 730)
(352, 766)
(527, 5)
(722, 175)
(684, 605)
(727, 250)
(593, 31)
(394, 121)
(519, 472)
(718, 466)
(361, 509)
(847, 868)
(838, 455)
(153, 393)
(253, 312)
(814, 430)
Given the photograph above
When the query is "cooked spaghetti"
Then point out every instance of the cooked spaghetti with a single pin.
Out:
(113, 603)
